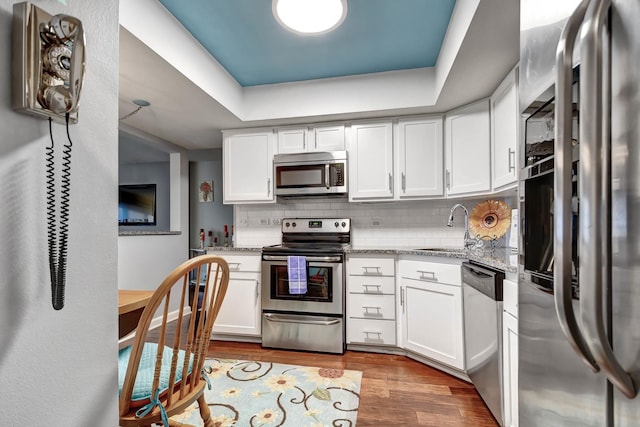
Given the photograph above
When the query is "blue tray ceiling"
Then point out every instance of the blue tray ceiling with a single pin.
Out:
(376, 36)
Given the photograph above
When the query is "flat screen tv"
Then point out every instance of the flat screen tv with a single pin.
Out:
(137, 204)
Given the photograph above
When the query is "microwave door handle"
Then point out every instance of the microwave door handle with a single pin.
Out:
(562, 188)
(326, 175)
(595, 187)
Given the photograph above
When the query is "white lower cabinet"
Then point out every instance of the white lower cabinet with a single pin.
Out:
(510, 353)
(371, 301)
(241, 308)
(431, 304)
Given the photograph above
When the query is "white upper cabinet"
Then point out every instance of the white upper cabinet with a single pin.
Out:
(316, 138)
(420, 158)
(248, 166)
(505, 133)
(328, 138)
(293, 140)
(370, 148)
(467, 150)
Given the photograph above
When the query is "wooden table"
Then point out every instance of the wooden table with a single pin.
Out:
(131, 304)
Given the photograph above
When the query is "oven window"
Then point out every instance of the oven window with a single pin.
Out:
(319, 284)
(538, 226)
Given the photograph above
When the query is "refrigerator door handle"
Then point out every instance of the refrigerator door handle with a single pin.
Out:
(595, 203)
(562, 188)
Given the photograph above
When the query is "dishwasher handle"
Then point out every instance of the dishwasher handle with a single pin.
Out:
(484, 280)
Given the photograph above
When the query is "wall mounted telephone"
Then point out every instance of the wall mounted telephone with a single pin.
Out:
(48, 63)
(48, 72)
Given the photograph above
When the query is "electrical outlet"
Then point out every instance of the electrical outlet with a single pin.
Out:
(275, 221)
(376, 222)
(264, 221)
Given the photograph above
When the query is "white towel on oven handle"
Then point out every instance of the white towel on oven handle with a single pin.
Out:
(297, 271)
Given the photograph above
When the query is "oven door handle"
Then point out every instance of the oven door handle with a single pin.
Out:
(309, 258)
(307, 320)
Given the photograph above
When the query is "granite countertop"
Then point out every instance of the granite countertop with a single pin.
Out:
(232, 249)
(148, 233)
(501, 258)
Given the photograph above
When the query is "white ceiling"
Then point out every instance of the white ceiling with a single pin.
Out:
(186, 112)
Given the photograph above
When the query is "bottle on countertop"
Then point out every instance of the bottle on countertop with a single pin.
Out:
(210, 238)
(202, 238)
(226, 235)
(233, 236)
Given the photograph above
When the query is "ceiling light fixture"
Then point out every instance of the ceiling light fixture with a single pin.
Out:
(310, 16)
(140, 103)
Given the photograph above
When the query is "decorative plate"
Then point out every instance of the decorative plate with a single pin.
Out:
(490, 219)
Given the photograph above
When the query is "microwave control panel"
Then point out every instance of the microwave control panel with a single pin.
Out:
(336, 174)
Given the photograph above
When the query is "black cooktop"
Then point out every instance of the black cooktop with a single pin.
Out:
(305, 248)
(313, 236)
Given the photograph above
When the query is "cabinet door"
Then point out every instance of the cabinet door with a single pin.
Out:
(248, 167)
(240, 310)
(467, 150)
(328, 138)
(510, 369)
(371, 161)
(420, 159)
(432, 321)
(292, 140)
(504, 133)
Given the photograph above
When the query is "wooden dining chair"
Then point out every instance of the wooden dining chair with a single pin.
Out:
(161, 373)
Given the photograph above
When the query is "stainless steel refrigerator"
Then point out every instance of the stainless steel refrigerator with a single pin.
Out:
(579, 195)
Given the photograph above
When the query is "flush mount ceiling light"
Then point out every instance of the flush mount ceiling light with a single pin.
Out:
(310, 16)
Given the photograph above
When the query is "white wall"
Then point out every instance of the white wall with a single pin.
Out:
(145, 260)
(59, 368)
(206, 165)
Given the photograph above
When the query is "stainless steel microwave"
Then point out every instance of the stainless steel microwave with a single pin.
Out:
(311, 174)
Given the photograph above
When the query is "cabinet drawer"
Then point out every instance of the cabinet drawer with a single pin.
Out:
(376, 332)
(373, 285)
(431, 272)
(240, 262)
(371, 306)
(510, 296)
(370, 266)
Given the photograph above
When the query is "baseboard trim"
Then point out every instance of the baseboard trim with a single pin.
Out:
(408, 353)
(440, 366)
(156, 322)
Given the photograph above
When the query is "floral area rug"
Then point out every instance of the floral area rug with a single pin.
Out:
(262, 394)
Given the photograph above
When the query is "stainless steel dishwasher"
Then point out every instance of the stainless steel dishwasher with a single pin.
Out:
(482, 299)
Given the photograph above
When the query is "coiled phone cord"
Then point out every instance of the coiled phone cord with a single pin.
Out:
(51, 212)
(58, 267)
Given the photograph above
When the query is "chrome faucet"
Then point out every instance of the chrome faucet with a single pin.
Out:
(467, 238)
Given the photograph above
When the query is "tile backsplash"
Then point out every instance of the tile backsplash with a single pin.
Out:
(397, 224)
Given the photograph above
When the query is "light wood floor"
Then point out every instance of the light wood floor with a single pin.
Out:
(395, 391)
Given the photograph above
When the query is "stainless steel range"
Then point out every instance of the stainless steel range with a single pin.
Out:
(310, 319)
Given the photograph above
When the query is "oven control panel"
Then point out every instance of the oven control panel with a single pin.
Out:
(316, 225)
